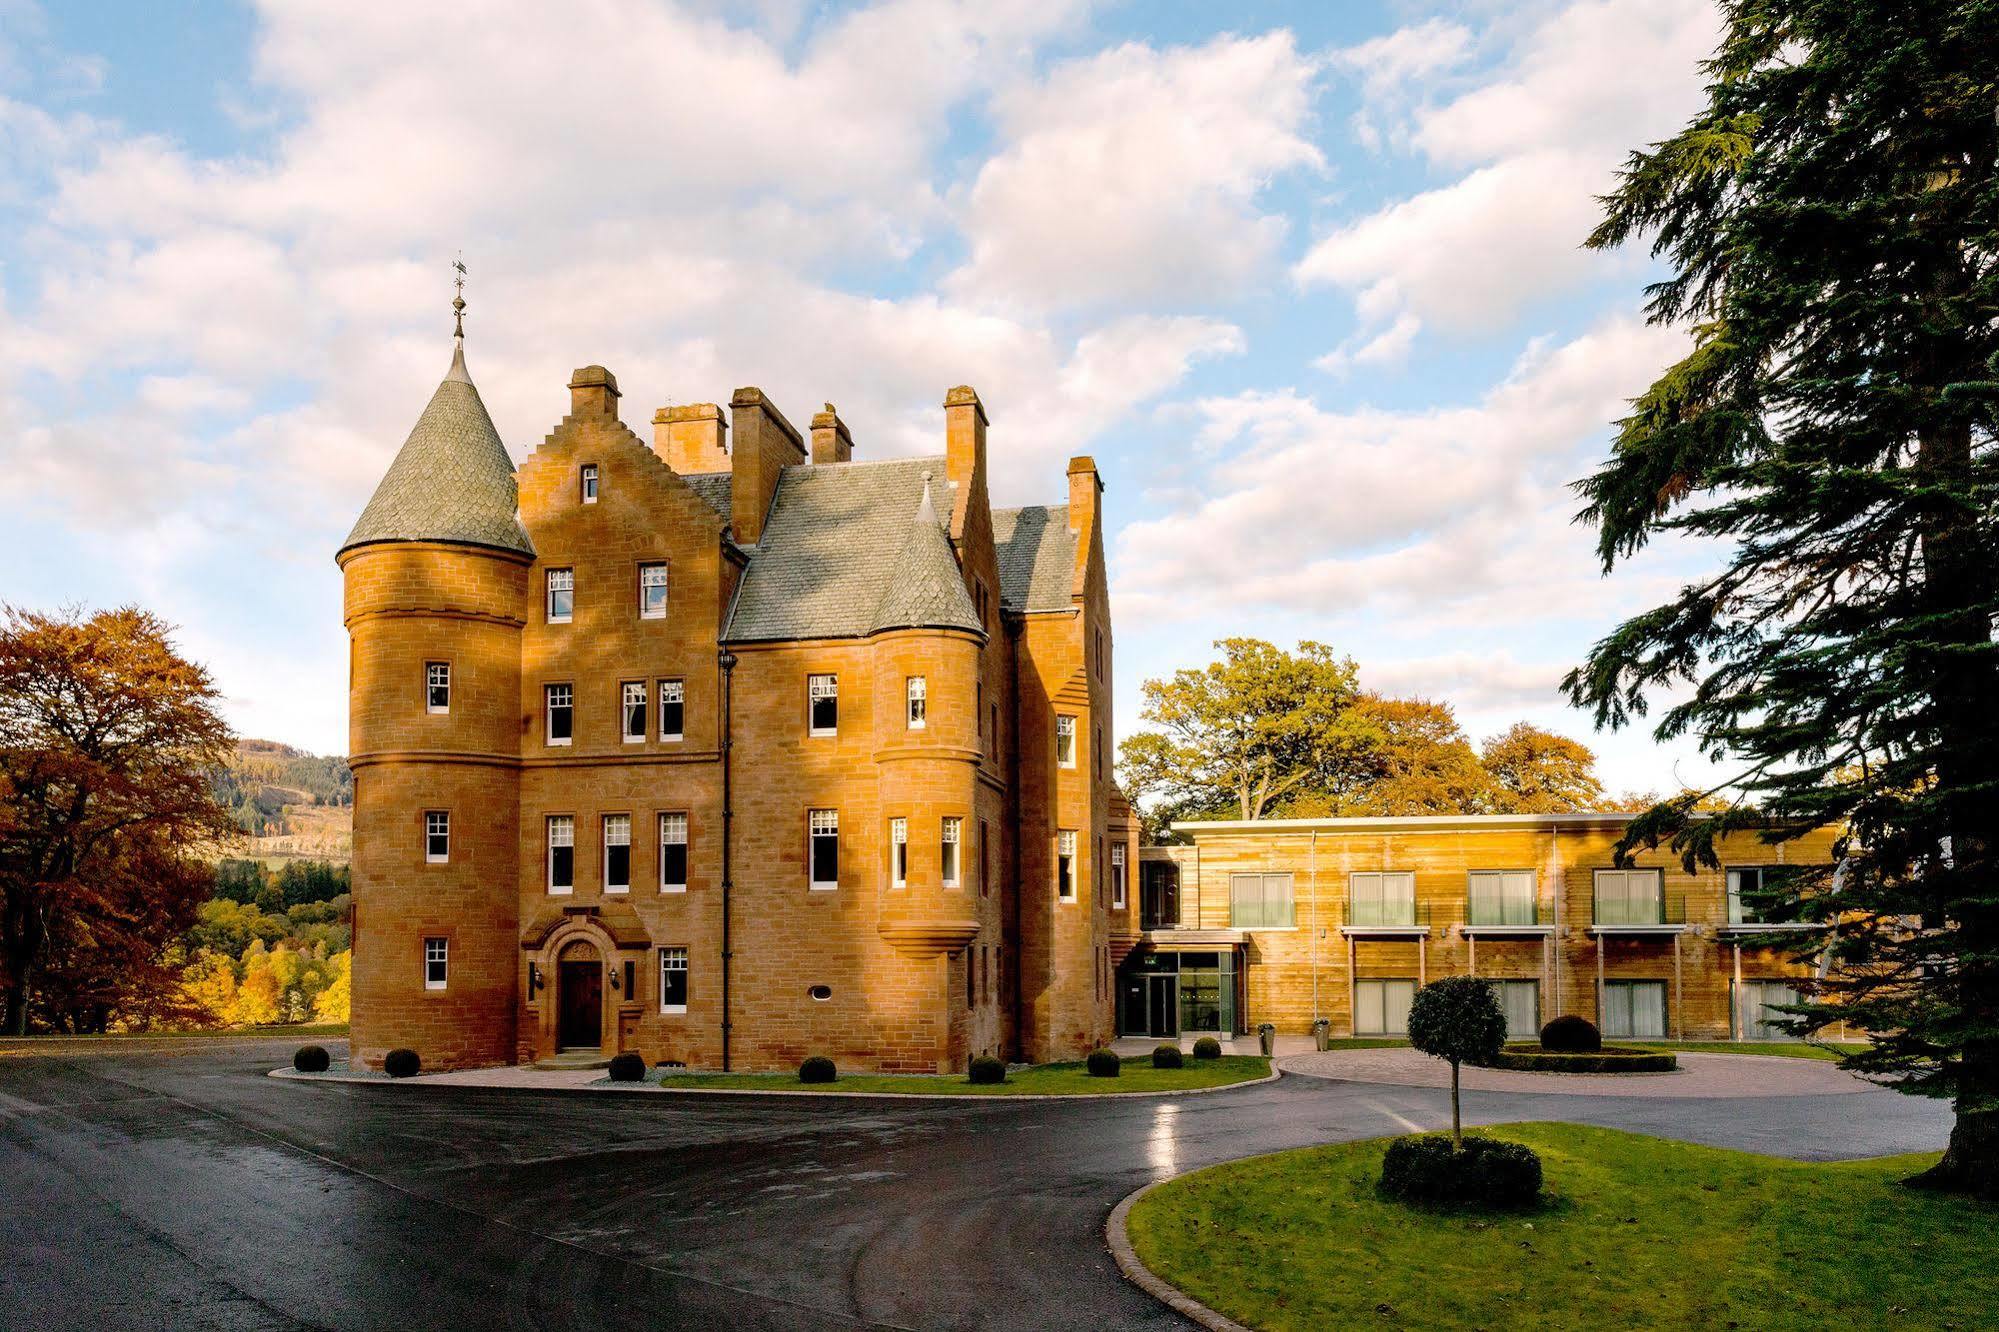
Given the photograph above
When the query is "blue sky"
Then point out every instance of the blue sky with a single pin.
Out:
(1305, 279)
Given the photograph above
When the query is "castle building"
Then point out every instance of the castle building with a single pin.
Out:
(727, 748)
(1341, 920)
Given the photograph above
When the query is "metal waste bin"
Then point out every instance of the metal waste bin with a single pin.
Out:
(1266, 1036)
(1322, 1033)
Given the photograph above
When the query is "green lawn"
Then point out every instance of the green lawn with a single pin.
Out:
(1041, 1080)
(1637, 1233)
(1830, 1050)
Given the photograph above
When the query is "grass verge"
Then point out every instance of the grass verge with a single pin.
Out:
(1830, 1051)
(1068, 1079)
(1637, 1232)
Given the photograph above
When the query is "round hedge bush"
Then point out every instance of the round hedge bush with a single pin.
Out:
(402, 1063)
(1207, 1048)
(1487, 1173)
(1103, 1064)
(1570, 1034)
(986, 1071)
(1529, 1058)
(311, 1059)
(628, 1067)
(817, 1069)
(1167, 1056)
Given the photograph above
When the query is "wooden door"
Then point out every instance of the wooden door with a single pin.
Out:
(580, 1019)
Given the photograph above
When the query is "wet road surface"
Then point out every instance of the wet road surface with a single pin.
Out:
(171, 1185)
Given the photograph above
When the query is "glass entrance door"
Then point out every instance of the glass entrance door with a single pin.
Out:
(1162, 1006)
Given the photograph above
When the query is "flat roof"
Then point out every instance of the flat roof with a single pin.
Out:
(1416, 822)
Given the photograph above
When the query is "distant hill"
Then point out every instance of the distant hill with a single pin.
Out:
(293, 805)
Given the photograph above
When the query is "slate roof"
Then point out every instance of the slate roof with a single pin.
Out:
(927, 589)
(715, 487)
(1037, 557)
(834, 548)
(452, 481)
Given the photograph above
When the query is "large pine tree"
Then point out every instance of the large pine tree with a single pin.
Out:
(1831, 230)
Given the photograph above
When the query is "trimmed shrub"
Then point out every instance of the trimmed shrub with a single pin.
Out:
(1104, 1064)
(1570, 1034)
(1167, 1056)
(628, 1067)
(817, 1069)
(1526, 1058)
(1207, 1048)
(311, 1059)
(986, 1071)
(401, 1063)
(1485, 1172)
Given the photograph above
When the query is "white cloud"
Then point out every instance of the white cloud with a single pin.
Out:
(1389, 347)
(1446, 513)
(1536, 142)
(1133, 175)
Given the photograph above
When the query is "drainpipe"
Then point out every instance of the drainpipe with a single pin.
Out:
(1312, 873)
(727, 661)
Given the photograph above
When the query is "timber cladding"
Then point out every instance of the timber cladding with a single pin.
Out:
(1337, 940)
(563, 814)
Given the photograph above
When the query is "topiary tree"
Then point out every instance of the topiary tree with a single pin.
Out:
(1570, 1034)
(1103, 1064)
(629, 1066)
(1167, 1056)
(986, 1070)
(817, 1068)
(1457, 1018)
(1207, 1048)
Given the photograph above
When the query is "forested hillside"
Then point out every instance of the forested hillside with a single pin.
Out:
(293, 805)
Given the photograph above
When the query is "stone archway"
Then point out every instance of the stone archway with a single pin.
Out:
(579, 996)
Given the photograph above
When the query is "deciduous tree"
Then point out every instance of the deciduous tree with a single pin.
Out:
(107, 740)
(1539, 772)
(1829, 223)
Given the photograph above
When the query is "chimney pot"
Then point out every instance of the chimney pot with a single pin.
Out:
(593, 391)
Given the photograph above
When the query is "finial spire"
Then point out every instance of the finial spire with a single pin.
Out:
(926, 512)
(458, 301)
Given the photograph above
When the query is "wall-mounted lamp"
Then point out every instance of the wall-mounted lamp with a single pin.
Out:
(614, 979)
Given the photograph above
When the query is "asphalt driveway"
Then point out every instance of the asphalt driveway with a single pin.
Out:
(174, 1186)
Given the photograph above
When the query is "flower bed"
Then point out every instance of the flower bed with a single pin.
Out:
(1528, 1057)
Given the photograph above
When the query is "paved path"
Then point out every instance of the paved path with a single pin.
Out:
(1726, 1076)
(178, 1187)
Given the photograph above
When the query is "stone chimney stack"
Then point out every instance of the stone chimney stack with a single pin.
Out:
(766, 444)
(692, 438)
(830, 441)
(593, 391)
(964, 451)
(1086, 491)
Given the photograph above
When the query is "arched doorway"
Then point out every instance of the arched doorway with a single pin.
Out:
(579, 997)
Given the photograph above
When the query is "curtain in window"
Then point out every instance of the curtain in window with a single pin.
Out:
(1634, 1009)
(1757, 1019)
(1381, 1007)
(1383, 899)
(1260, 901)
(1502, 897)
(1629, 897)
(1521, 1002)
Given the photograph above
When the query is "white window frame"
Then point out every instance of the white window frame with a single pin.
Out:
(548, 707)
(673, 832)
(678, 690)
(1381, 898)
(1117, 876)
(561, 832)
(820, 685)
(667, 956)
(1624, 878)
(615, 826)
(1514, 896)
(588, 482)
(1065, 741)
(437, 954)
(898, 852)
(821, 823)
(436, 675)
(916, 692)
(1065, 864)
(951, 851)
(633, 693)
(436, 824)
(647, 582)
(560, 580)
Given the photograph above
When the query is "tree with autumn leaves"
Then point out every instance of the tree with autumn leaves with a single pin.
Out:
(1264, 732)
(108, 738)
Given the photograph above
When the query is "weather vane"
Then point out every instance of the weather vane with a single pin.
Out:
(458, 301)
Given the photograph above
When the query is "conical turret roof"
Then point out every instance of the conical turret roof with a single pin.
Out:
(926, 591)
(452, 481)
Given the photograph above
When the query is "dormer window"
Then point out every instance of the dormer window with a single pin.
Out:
(823, 703)
(588, 483)
(561, 595)
(918, 691)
